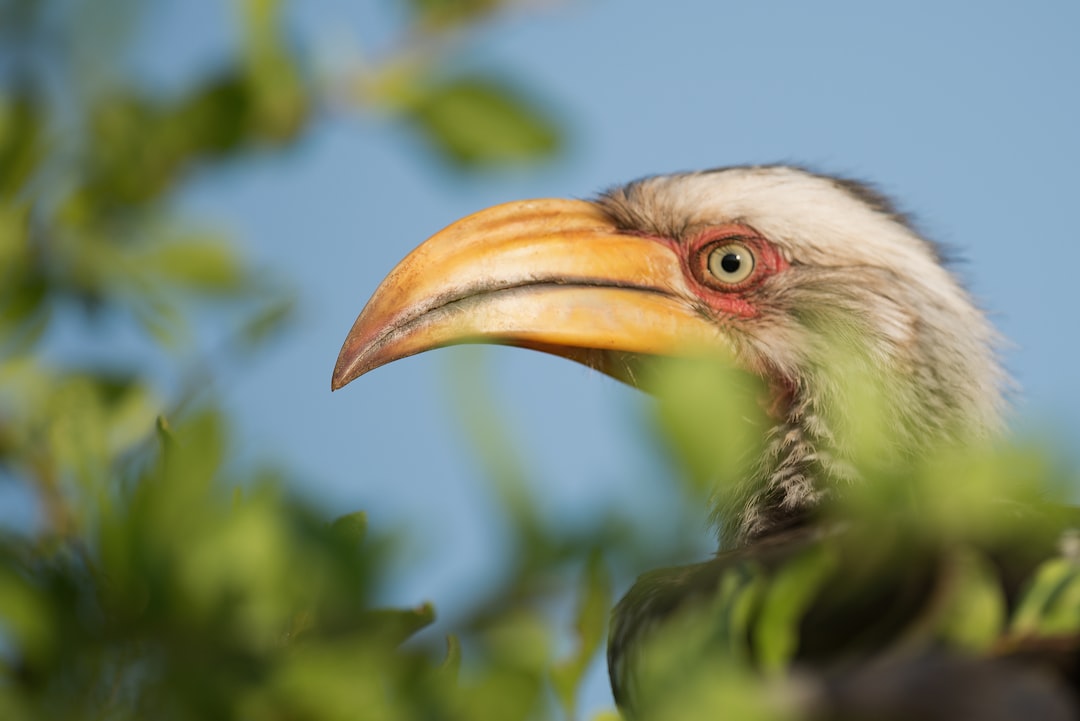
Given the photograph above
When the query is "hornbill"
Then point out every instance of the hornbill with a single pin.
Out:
(800, 278)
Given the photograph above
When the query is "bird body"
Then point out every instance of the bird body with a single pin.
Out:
(820, 288)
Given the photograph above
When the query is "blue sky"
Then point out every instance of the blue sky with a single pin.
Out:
(967, 113)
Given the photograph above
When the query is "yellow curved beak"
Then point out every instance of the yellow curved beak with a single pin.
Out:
(551, 275)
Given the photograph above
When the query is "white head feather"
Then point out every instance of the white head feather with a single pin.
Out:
(864, 292)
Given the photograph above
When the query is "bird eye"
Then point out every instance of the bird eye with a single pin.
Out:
(731, 263)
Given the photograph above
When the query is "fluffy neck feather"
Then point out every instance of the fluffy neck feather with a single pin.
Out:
(867, 348)
(867, 310)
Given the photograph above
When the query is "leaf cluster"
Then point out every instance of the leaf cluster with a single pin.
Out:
(149, 574)
(963, 551)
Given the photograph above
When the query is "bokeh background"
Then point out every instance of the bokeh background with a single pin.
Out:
(967, 113)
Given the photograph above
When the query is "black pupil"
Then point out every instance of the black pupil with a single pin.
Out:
(731, 262)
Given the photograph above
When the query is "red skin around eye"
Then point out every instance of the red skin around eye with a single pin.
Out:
(729, 298)
(726, 298)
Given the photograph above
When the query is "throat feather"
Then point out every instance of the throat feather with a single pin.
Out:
(796, 469)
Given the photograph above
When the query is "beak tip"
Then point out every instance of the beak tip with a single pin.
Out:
(353, 359)
(345, 372)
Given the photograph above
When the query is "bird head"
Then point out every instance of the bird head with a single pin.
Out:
(805, 280)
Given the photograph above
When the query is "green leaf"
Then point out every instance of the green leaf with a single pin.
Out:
(741, 592)
(280, 103)
(24, 291)
(77, 432)
(477, 121)
(204, 264)
(21, 146)
(1051, 605)
(489, 432)
(162, 319)
(789, 594)
(973, 612)
(451, 665)
(14, 240)
(130, 412)
(594, 606)
(710, 415)
(25, 617)
(214, 120)
(190, 470)
(442, 13)
(352, 527)
(395, 626)
(608, 715)
(521, 640)
(267, 321)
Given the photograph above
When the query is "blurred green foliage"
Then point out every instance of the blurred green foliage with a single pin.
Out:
(438, 13)
(984, 530)
(160, 579)
(478, 121)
